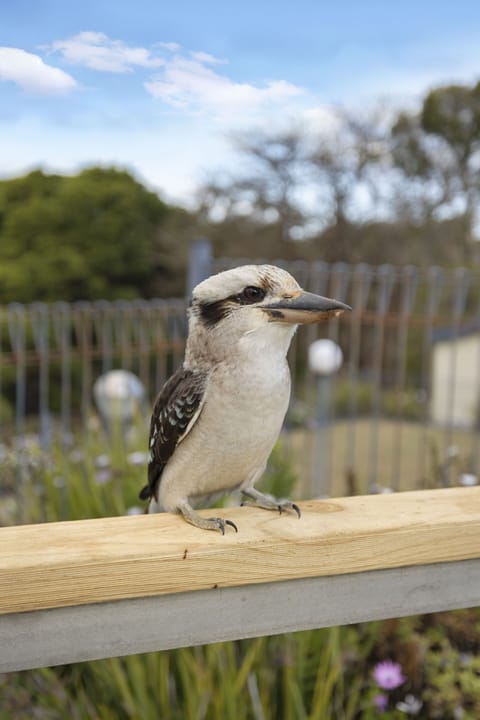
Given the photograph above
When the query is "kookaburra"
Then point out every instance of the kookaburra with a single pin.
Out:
(216, 420)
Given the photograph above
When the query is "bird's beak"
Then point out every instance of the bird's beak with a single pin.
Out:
(304, 308)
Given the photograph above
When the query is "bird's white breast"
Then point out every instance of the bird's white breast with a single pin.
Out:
(246, 400)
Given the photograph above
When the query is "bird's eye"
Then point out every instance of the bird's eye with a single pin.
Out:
(251, 294)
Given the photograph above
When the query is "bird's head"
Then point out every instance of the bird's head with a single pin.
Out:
(262, 301)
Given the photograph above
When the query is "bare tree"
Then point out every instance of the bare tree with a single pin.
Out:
(437, 153)
(358, 180)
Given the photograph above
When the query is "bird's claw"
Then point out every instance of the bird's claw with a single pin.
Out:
(220, 523)
(289, 506)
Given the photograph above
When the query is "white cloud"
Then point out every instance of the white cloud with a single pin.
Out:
(97, 51)
(29, 72)
(172, 46)
(189, 83)
(206, 58)
(185, 79)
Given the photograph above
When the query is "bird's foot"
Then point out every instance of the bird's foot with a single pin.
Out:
(220, 524)
(213, 523)
(268, 502)
(283, 505)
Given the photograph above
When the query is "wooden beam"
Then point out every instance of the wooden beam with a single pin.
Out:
(76, 563)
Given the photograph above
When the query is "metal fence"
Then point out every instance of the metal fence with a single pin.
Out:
(50, 356)
(402, 410)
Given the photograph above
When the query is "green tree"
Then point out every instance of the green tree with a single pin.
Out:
(93, 235)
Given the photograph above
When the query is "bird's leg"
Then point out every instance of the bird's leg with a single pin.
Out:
(214, 523)
(268, 502)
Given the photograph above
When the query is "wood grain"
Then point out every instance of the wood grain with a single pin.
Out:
(89, 561)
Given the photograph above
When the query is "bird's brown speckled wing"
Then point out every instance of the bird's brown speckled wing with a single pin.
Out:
(175, 412)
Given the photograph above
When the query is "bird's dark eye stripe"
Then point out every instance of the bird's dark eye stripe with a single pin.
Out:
(251, 294)
(213, 312)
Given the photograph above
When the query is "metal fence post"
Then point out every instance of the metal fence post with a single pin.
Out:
(200, 263)
(40, 324)
(16, 325)
(361, 282)
(435, 281)
(62, 327)
(385, 282)
(461, 283)
(408, 281)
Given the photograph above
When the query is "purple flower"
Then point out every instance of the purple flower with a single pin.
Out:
(388, 675)
(380, 701)
(102, 461)
(102, 476)
(137, 458)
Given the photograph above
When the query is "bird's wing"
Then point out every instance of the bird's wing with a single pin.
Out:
(175, 412)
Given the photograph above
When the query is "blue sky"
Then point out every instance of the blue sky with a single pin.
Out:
(161, 87)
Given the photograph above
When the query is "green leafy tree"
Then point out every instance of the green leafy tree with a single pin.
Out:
(93, 235)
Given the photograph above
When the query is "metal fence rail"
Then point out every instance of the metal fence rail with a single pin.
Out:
(404, 407)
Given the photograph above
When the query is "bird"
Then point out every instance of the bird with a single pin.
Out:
(217, 418)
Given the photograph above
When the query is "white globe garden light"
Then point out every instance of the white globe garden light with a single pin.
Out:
(118, 395)
(325, 357)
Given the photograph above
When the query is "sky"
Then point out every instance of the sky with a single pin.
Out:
(162, 88)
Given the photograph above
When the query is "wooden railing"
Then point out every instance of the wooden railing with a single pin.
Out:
(89, 589)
